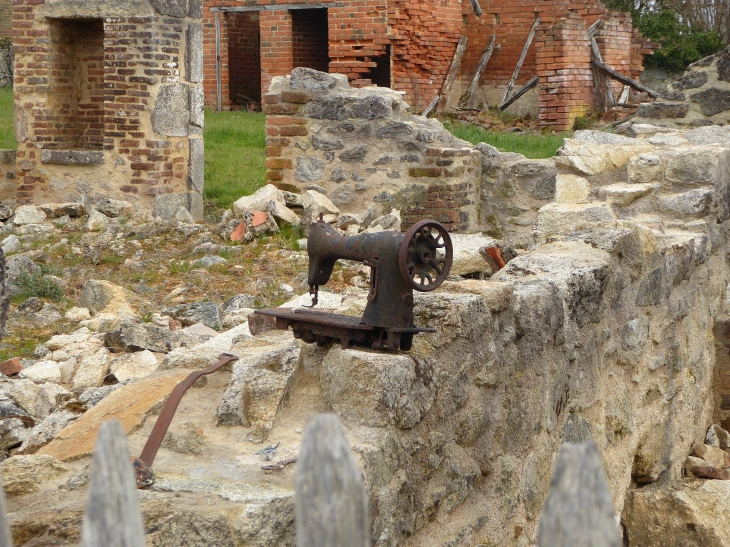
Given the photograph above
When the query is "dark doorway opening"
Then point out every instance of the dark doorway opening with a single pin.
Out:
(310, 39)
(244, 60)
(380, 75)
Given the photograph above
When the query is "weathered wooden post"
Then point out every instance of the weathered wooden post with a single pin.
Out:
(331, 506)
(5, 538)
(579, 509)
(113, 516)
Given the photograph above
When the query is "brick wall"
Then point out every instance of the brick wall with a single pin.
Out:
(310, 46)
(244, 56)
(113, 86)
(564, 69)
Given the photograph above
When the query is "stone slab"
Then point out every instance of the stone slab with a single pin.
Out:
(171, 116)
(194, 57)
(72, 157)
(130, 404)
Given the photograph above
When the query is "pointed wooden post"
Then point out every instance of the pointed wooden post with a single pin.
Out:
(486, 55)
(113, 516)
(519, 64)
(5, 537)
(579, 508)
(331, 506)
(451, 76)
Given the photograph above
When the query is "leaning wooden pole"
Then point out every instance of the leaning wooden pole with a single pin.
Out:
(525, 88)
(451, 76)
(476, 7)
(626, 80)
(604, 91)
(519, 63)
(486, 55)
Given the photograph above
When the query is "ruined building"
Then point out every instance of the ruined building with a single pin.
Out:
(409, 46)
(109, 103)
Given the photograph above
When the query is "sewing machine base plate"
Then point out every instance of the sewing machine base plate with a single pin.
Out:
(322, 327)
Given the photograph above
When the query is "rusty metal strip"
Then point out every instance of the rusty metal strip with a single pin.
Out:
(168, 411)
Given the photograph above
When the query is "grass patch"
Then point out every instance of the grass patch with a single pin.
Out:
(529, 145)
(7, 115)
(38, 285)
(235, 164)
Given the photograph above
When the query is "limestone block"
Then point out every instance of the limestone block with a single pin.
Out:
(679, 514)
(131, 404)
(56, 210)
(72, 157)
(135, 365)
(28, 214)
(376, 389)
(166, 205)
(566, 217)
(312, 80)
(309, 168)
(93, 8)
(197, 105)
(571, 189)
(14, 430)
(588, 159)
(24, 393)
(91, 370)
(173, 8)
(196, 166)
(712, 134)
(97, 222)
(603, 138)
(624, 195)
(260, 383)
(269, 198)
(194, 54)
(646, 168)
(662, 139)
(698, 165)
(114, 208)
(698, 202)
(45, 431)
(42, 371)
(467, 258)
(136, 337)
(21, 123)
(105, 297)
(25, 474)
(714, 456)
(171, 114)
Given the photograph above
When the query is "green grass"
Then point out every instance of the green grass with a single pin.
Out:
(7, 130)
(235, 164)
(529, 145)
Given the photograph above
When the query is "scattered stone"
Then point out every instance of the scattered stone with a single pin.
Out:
(28, 214)
(97, 222)
(131, 366)
(207, 313)
(43, 371)
(58, 210)
(91, 370)
(238, 302)
(114, 208)
(103, 296)
(199, 329)
(44, 432)
(137, 337)
(77, 314)
(209, 261)
(11, 366)
(11, 244)
(24, 474)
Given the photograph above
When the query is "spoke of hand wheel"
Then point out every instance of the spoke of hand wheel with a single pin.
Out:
(434, 264)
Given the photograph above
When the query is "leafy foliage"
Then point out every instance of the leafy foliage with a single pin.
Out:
(682, 43)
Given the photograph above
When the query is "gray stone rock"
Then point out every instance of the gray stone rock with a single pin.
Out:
(383, 160)
(19, 265)
(373, 107)
(56, 210)
(312, 80)
(14, 431)
(576, 429)
(346, 127)
(44, 432)
(166, 205)
(97, 222)
(384, 196)
(394, 130)
(209, 261)
(238, 302)
(650, 290)
(354, 155)
(197, 105)
(43, 371)
(338, 175)
(600, 137)
(207, 313)
(94, 395)
(137, 337)
(131, 366)
(326, 143)
(194, 57)
(28, 214)
(343, 195)
(328, 108)
(712, 101)
(173, 8)
(196, 166)
(662, 110)
(72, 157)
(309, 169)
(171, 114)
(668, 95)
(114, 208)
(690, 80)
(695, 202)
(91, 370)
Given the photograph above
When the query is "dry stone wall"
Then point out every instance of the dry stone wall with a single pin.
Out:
(700, 97)
(360, 146)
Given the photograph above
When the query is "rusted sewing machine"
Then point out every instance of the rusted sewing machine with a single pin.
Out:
(420, 259)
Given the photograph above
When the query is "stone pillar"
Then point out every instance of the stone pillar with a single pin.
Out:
(564, 69)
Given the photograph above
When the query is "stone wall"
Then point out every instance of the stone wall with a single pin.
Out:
(109, 102)
(700, 97)
(7, 174)
(359, 146)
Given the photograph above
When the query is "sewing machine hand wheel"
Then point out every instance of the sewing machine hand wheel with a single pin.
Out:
(425, 255)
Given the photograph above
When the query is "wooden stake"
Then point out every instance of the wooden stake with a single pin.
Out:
(430, 106)
(626, 80)
(476, 7)
(330, 502)
(519, 63)
(451, 76)
(604, 91)
(525, 88)
(486, 54)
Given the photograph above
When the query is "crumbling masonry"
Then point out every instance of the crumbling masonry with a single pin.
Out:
(109, 103)
(409, 46)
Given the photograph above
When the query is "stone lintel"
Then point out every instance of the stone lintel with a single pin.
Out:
(72, 157)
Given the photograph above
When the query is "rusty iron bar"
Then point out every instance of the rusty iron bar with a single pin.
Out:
(143, 464)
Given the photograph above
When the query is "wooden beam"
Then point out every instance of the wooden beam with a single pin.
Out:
(626, 80)
(604, 91)
(594, 28)
(476, 7)
(451, 76)
(486, 54)
(525, 88)
(277, 7)
(519, 63)
(430, 106)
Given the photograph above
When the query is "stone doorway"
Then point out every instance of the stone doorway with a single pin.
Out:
(310, 39)
(244, 60)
